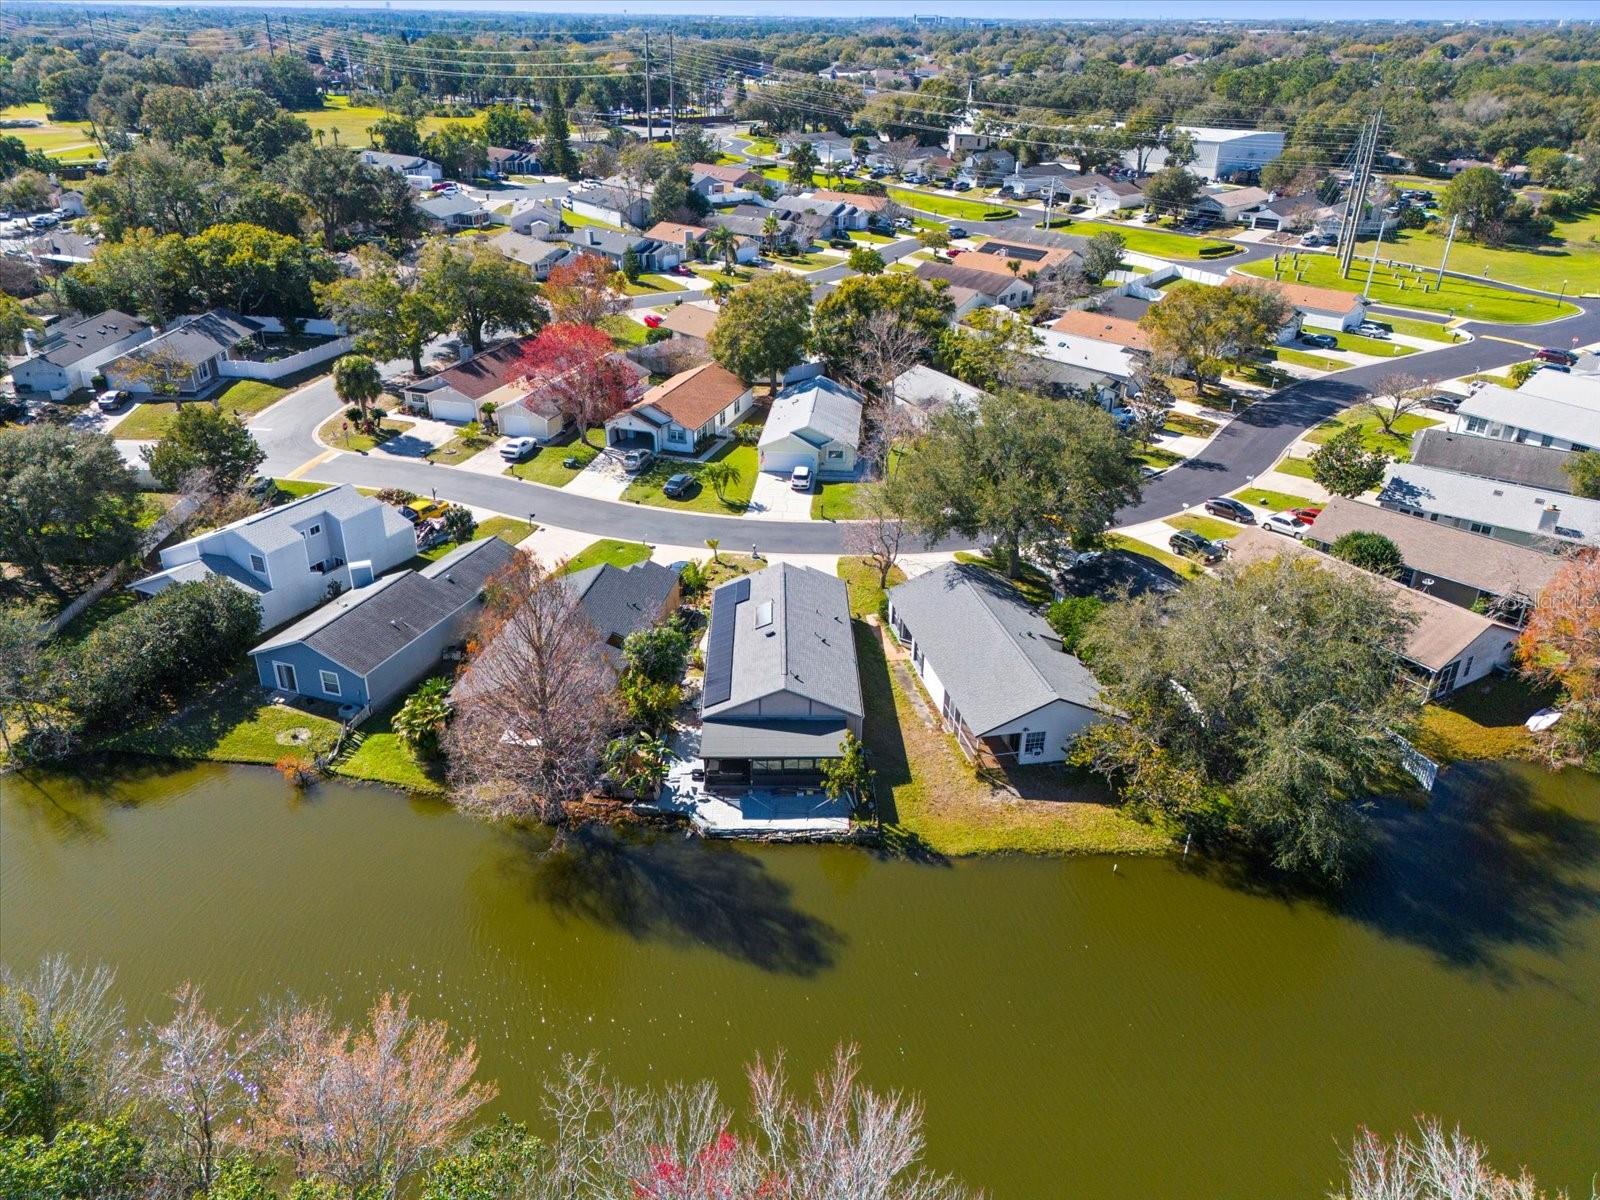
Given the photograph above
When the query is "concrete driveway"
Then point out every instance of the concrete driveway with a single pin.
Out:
(602, 479)
(773, 499)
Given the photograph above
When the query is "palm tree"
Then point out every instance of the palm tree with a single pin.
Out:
(721, 475)
(720, 290)
(357, 382)
(713, 544)
(771, 228)
(724, 242)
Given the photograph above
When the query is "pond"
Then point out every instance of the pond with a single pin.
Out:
(1070, 1028)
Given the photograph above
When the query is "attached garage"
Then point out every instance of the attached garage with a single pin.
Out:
(814, 424)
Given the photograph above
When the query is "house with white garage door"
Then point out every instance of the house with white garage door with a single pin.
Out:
(457, 393)
(816, 424)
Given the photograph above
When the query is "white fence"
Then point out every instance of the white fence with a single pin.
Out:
(241, 368)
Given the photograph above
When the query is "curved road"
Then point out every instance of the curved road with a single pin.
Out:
(1246, 447)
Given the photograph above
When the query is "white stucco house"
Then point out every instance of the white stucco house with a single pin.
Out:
(814, 424)
(682, 414)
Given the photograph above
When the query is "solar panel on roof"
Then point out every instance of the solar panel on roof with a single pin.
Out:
(719, 642)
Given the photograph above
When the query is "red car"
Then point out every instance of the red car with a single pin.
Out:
(1308, 515)
(652, 320)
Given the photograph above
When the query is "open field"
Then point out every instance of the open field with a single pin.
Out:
(68, 141)
(1404, 287)
(1571, 257)
(338, 116)
(949, 206)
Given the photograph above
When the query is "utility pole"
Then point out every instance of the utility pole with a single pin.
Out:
(1373, 265)
(1049, 205)
(1355, 202)
(649, 118)
(1449, 239)
(271, 49)
(672, 86)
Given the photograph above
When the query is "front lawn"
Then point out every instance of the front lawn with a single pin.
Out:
(645, 488)
(1373, 437)
(606, 550)
(835, 502)
(1206, 527)
(1299, 358)
(1182, 567)
(1276, 501)
(1158, 243)
(296, 488)
(950, 206)
(738, 277)
(339, 434)
(934, 802)
(579, 220)
(1291, 465)
(649, 285)
(548, 464)
(149, 418)
(624, 330)
(507, 529)
(1433, 331)
(1188, 424)
(1411, 287)
(761, 147)
(861, 578)
(460, 448)
(1377, 347)
(1157, 458)
(867, 238)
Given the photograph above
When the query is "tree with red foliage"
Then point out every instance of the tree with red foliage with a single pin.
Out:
(581, 371)
(584, 291)
(1561, 644)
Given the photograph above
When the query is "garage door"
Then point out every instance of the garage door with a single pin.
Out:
(781, 462)
(452, 410)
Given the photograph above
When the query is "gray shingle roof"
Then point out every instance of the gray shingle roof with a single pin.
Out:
(623, 600)
(986, 283)
(364, 628)
(995, 656)
(817, 411)
(802, 645)
(1491, 458)
(444, 207)
(202, 337)
(71, 341)
(276, 526)
(1527, 410)
(1490, 502)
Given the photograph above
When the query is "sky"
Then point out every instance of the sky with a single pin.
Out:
(1237, 10)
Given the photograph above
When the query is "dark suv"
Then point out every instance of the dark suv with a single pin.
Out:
(1192, 545)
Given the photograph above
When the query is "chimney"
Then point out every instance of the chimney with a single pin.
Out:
(1549, 518)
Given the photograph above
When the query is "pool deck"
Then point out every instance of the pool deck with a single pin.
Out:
(765, 815)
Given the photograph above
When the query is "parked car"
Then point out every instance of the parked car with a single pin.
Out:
(420, 510)
(957, 231)
(800, 479)
(1149, 217)
(963, 186)
(1285, 523)
(1372, 329)
(652, 320)
(44, 221)
(635, 461)
(1551, 354)
(1308, 515)
(678, 485)
(518, 448)
(1322, 341)
(1314, 239)
(1443, 401)
(1558, 368)
(1224, 506)
(110, 401)
(1192, 545)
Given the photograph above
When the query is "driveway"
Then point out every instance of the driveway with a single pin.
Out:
(772, 499)
(602, 479)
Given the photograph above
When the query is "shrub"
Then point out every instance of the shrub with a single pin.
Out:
(396, 496)
(422, 718)
(297, 772)
(652, 336)
(1369, 551)
(459, 523)
(692, 579)
(1070, 617)
(659, 654)
(1520, 372)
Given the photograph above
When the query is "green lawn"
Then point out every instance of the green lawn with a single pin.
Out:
(351, 122)
(1155, 456)
(69, 141)
(584, 221)
(377, 754)
(1276, 501)
(949, 206)
(816, 260)
(1183, 567)
(1206, 527)
(606, 550)
(1377, 347)
(1188, 424)
(1373, 437)
(647, 285)
(1300, 467)
(861, 578)
(761, 148)
(1433, 331)
(868, 238)
(459, 448)
(1567, 258)
(776, 174)
(340, 435)
(548, 462)
(231, 723)
(1158, 243)
(1406, 287)
(624, 330)
(645, 488)
(149, 418)
(1483, 720)
(507, 529)
(835, 502)
(1031, 582)
(738, 278)
(295, 488)
(1299, 358)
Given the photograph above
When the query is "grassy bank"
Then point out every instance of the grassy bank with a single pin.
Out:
(149, 418)
(1483, 720)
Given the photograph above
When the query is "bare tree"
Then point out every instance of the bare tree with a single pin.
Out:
(535, 707)
(368, 1108)
(890, 345)
(881, 530)
(62, 1047)
(198, 1085)
(898, 152)
(1150, 400)
(1434, 1165)
(1394, 396)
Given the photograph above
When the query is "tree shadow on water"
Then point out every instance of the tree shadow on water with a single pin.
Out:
(1490, 865)
(665, 887)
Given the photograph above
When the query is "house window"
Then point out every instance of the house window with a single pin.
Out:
(1545, 440)
(835, 453)
(258, 564)
(1033, 743)
(1477, 527)
(284, 674)
(330, 683)
(314, 530)
(1477, 424)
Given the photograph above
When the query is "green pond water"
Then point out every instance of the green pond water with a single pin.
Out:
(1072, 1030)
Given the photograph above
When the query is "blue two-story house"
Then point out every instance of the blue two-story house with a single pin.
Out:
(366, 647)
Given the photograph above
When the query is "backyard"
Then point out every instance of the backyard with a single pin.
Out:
(338, 434)
(645, 488)
(1408, 287)
(507, 529)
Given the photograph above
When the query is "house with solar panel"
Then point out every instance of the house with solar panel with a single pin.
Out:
(781, 683)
